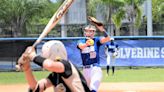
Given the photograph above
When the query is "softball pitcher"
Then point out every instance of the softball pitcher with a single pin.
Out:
(89, 48)
(65, 77)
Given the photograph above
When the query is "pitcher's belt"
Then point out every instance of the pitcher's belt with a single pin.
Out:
(91, 65)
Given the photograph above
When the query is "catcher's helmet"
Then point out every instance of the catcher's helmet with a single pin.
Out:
(54, 50)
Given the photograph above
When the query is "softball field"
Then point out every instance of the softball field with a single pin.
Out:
(104, 87)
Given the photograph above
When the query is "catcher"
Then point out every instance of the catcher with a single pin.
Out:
(89, 48)
(65, 77)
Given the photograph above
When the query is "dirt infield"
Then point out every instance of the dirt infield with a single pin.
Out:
(105, 87)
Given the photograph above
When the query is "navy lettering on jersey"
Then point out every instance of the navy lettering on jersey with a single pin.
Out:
(90, 54)
(111, 46)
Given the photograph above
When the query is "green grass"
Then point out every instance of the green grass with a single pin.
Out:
(136, 75)
(121, 75)
(18, 77)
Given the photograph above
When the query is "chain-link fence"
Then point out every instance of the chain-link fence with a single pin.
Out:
(77, 30)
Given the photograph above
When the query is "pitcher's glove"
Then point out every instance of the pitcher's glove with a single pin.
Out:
(95, 21)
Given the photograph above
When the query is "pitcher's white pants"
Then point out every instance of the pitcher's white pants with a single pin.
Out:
(93, 76)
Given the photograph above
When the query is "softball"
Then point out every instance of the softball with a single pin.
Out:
(91, 42)
(18, 68)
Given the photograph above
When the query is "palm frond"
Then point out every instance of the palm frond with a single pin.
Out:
(138, 17)
(118, 17)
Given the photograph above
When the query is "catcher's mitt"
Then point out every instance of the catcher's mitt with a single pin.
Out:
(95, 21)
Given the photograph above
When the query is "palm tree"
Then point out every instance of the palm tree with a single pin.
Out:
(119, 10)
(157, 6)
(134, 14)
(105, 8)
(17, 14)
(158, 16)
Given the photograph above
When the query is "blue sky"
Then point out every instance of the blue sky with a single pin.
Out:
(53, 0)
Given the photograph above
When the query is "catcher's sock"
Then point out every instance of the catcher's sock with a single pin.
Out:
(93, 91)
(113, 69)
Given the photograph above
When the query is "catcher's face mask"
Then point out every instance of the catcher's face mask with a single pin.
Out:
(89, 31)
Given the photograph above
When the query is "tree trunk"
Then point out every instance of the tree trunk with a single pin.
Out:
(117, 32)
(131, 29)
(110, 30)
(136, 32)
(16, 29)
